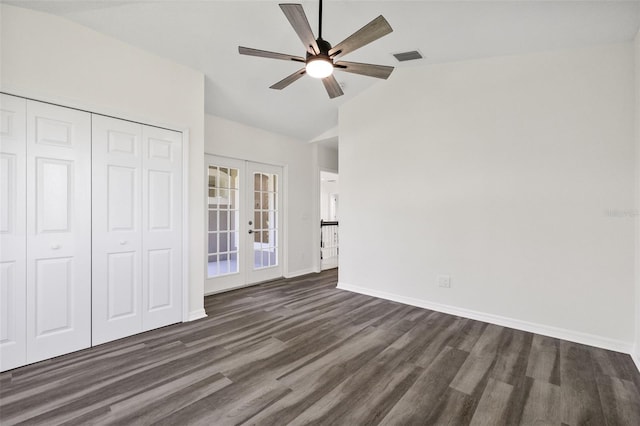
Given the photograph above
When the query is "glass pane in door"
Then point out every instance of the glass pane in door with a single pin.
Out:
(265, 215)
(224, 220)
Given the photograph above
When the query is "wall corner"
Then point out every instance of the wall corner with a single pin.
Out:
(636, 348)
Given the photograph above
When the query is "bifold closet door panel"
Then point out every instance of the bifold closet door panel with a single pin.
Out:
(137, 228)
(162, 227)
(58, 230)
(13, 236)
(117, 228)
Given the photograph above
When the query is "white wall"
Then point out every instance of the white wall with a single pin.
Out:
(328, 158)
(52, 59)
(230, 139)
(507, 173)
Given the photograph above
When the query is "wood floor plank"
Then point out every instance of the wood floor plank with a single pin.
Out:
(156, 404)
(128, 385)
(363, 399)
(474, 372)
(378, 384)
(300, 351)
(444, 333)
(619, 399)
(231, 405)
(518, 399)
(34, 403)
(491, 410)
(294, 354)
(512, 357)
(350, 354)
(607, 363)
(468, 335)
(544, 359)
(421, 338)
(543, 405)
(317, 378)
(422, 397)
(580, 398)
(454, 408)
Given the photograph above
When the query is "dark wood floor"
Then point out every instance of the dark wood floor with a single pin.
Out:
(300, 351)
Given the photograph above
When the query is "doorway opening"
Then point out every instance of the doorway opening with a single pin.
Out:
(329, 220)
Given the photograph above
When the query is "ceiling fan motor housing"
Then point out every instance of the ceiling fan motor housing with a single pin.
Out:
(324, 47)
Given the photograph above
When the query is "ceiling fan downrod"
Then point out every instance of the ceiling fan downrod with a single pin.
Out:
(320, 22)
(323, 46)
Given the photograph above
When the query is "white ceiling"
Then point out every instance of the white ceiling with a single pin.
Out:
(205, 35)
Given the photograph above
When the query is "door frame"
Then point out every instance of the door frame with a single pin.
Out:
(284, 241)
(317, 192)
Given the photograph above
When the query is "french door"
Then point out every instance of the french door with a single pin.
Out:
(244, 202)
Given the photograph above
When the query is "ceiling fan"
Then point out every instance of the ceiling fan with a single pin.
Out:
(321, 58)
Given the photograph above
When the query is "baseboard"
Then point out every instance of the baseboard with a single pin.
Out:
(196, 315)
(634, 355)
(545, 330)
(636, 360)
(300, 272)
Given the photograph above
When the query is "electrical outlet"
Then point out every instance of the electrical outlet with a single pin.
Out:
(444, 281)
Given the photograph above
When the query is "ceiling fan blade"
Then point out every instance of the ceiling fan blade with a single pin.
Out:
(375, 29)
(370, 70)
(298, 20)
(289, 79)
(333, 88)
(266, 54)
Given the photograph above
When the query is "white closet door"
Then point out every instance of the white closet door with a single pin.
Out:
(162, 227)
(13, 235)
(117, 230)
(58, 230)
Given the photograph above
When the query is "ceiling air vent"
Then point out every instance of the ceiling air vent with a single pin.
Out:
(408, 56)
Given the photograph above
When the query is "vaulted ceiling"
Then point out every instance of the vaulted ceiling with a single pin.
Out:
(205, 35)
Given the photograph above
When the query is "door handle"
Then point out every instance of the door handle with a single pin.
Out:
(250, 231)
(123, 242)
(55, 246)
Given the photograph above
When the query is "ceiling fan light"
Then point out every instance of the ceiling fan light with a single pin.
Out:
(319, 68)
